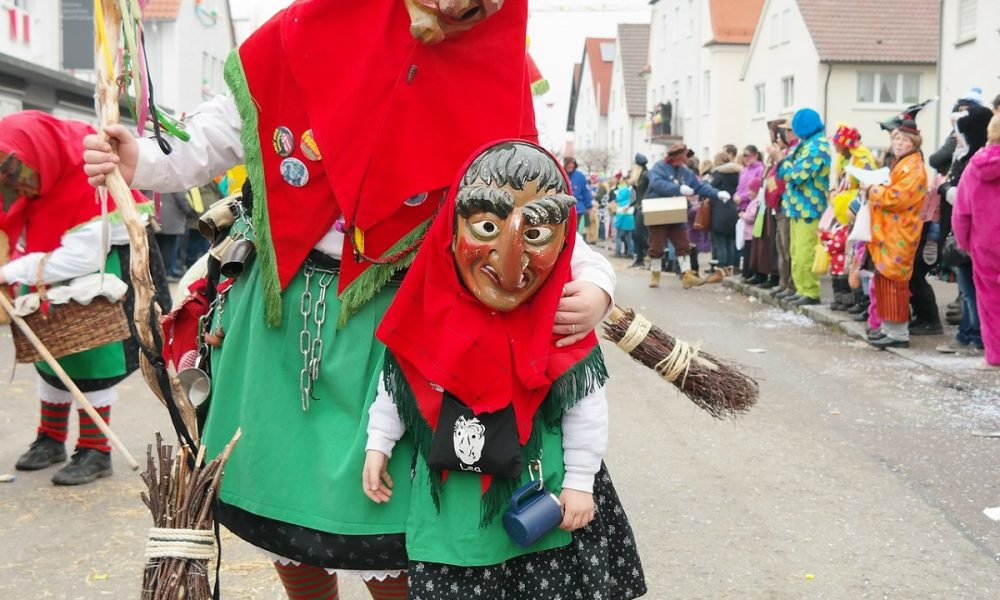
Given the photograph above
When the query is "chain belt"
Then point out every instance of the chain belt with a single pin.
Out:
(313, 316)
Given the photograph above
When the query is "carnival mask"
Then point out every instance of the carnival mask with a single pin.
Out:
(511, 219)
(431, 21)
(16, 179)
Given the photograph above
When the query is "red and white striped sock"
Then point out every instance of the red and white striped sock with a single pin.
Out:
(55, 420)
(90, 435)
(390, 588)
(304, 582)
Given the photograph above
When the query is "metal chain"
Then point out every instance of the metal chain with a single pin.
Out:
(311, 343)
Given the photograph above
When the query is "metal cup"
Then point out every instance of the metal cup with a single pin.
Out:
(196, 383)
(236, 257)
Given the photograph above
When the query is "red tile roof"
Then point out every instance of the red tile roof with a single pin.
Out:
(161, 10)
(891, 31)
(734, 21)
(600, 69)
(633, 47)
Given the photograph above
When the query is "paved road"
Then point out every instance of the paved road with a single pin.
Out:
(856, 476)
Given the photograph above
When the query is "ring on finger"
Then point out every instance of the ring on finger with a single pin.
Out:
(573, 325)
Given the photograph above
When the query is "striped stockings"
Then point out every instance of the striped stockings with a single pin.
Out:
(90, 435)
(304, 582)
(55, 420)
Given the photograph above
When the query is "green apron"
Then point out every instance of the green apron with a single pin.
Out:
(301, 467)
(103, 362)
(453, 535)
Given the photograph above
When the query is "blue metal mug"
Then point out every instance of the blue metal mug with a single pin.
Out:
(534, 511)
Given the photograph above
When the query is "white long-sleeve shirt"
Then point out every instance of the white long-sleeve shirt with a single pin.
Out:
(216, 146)
(584, 426)
(79, 253)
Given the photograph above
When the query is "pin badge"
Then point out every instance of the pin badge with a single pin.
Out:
(284, 141)
(416, 200)
(294, 172)
(309, 147)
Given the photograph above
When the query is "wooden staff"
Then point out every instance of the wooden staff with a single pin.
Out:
(147, 314)
(4, 259)
(66, 381)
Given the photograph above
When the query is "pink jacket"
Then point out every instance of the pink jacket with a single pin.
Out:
(976, 216)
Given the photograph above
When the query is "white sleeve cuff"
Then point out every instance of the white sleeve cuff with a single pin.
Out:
(384, 425)
(580, 481)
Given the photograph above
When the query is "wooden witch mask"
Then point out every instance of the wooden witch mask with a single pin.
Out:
(511, 215)
(431, 21)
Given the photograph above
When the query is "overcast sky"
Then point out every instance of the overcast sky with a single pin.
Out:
(557, 29)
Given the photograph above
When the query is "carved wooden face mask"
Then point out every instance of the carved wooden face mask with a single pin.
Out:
(507, 240)
(431, 21)
(16, 179)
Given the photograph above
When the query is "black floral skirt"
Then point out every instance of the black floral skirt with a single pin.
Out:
(601, 563)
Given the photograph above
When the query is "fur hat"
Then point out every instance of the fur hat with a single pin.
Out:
(640, 159)
(806, 123)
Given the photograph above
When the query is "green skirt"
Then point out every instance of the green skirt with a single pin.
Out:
(291, 465)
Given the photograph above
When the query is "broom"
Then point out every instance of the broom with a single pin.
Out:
(181, 490)
(715, 385)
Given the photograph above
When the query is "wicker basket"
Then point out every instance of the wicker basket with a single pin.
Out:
(72, 327)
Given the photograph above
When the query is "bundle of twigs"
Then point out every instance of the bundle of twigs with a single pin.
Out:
(181, 490)
(718, 386)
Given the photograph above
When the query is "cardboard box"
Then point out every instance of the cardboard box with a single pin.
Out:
(664, 211)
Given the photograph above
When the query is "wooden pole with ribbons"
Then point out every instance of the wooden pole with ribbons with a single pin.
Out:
(108, 27)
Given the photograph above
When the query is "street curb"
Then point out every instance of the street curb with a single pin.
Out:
(821, 314)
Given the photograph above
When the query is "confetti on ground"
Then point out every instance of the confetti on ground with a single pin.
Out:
(756, 350)
(993, 513)
(8, 478)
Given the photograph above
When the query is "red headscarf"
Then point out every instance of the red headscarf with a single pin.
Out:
(441, 334)
(53, 148)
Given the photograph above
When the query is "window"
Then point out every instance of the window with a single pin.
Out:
(691, 10)
(664, 31)
(888, 88)
(706, 92)
(677, 23)
(689, 93)
(608, 51)
(967, 20)
(24, 5)
(787, 92)
(786, 18)
(759, 99)
(775, 35)
(621, 137)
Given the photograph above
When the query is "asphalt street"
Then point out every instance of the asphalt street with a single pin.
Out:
(858, 475)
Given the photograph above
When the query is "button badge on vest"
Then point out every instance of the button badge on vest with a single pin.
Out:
(294, 172)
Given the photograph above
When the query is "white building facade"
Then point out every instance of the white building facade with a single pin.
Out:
(970, 53)
(796, 62)
(627, 102)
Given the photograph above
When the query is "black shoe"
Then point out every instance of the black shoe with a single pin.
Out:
(805, 301)
(637, 264)
(44, 451)
(858, 308)
(875, 334)
(887, 342)
(863, 316)
(769, 284)
(921, 328)
(953, 319)
(86, 465)
(781, 294)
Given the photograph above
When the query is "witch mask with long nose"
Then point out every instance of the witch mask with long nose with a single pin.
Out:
(511, 215)
(431, 21)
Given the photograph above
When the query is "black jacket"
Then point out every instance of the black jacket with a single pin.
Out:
(725, 214)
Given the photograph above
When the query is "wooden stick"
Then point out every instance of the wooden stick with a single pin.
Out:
(66, 381)
(142, 282)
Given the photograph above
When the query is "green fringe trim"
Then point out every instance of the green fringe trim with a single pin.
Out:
(372, 279)
(581, 380)
(250, 136)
